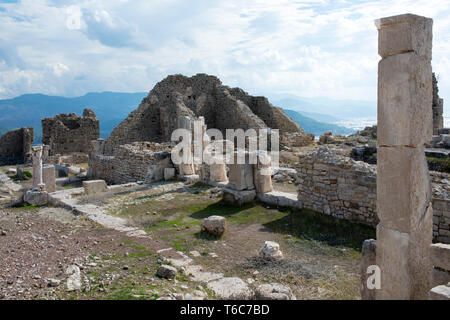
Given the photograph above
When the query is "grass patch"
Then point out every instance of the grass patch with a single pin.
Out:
(310, 225)
(439, 164)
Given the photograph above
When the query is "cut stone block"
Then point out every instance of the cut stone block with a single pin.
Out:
(94, 186)
(49, 178)
(369, 258)
(404, 89)
(169, 173)
(404, 33)
(440, 293)
(263, 179)
(392, 256)
(403, 187)
(241, 176)
(440, 255)
(439, 277)
(238, 197)
(404, 260)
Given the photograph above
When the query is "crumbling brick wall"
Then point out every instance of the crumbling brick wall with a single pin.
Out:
(69, 133)
(336, 185)
(15, 146)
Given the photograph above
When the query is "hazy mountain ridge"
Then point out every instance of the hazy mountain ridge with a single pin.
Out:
(113, 107)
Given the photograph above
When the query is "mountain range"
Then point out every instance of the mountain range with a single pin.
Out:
(112, 107)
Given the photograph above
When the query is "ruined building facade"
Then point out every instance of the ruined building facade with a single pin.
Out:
(201, 96)
(69, 133)
(15, 146)
(438, 108)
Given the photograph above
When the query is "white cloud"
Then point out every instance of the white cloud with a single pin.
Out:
(308, 48)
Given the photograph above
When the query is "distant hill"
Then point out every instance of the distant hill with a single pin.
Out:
(113, 107)
(316, 127)
(327, 110)
(28, 110)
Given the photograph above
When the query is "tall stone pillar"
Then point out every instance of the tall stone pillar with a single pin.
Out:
(403, 183)
(45, 153)
(37, 168)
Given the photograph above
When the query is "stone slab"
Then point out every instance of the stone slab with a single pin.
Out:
(94, 186)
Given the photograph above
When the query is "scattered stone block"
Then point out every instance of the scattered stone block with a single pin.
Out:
(231, 289)
(12, 171)
(238, 197)
(215, 225)
(36, 197)
(166, 272)
(94, 186)
(74, 280)
(439, 277)
(274, 291)
(271, 251)
(440, 293)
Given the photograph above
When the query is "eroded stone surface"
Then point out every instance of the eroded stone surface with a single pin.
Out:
(231, 289)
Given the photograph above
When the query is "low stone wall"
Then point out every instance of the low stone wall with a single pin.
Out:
(336, 185)
(131, 163)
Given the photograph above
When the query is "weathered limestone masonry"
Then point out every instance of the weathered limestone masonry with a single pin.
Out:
(405, 125)
(15, 146)
(68, 133)
(440, 258)
(438, 108)
(201, 96)
(337, 185)
(140, 161)
(38, 181)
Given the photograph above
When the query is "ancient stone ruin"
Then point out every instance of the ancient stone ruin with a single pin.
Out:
(69, 133)
(201, 96)
(15, 146)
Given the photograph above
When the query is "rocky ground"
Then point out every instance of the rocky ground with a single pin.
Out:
(50, 253)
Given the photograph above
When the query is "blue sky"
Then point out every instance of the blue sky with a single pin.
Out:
(307, 48)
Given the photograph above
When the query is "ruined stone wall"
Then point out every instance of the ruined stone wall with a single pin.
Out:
(131, 163)
(69, 133)
(336, 185)
(15, 146)
(198, 96)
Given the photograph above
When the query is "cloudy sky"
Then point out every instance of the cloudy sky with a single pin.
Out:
(319, 48)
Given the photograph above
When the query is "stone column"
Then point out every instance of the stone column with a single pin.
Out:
(403, 182)
(262, 173)
(37, 168)
(49, 178)
(241, 174)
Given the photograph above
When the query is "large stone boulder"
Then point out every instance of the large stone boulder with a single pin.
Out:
(166, 272)
(36, 197)
(274, 291)
(215, 225)
(271, 251)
